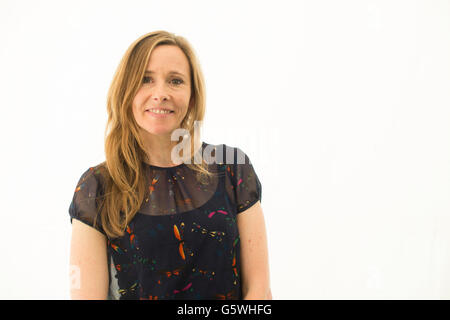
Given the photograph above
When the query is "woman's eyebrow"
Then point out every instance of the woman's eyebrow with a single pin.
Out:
(170, 72)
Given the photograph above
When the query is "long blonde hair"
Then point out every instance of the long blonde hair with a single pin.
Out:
(122, 172)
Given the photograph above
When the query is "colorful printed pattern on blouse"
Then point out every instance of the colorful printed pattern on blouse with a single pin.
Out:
(192, 254)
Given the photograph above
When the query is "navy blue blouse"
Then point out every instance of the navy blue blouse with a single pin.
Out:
(184, 241)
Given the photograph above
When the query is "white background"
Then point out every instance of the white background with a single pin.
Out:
(342, 106)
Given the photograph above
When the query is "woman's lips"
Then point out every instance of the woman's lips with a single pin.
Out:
(159, 115)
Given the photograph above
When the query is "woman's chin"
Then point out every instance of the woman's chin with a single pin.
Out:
(161, 131)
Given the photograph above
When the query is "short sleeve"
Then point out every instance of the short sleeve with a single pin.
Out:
(246, 181)
(84, 205)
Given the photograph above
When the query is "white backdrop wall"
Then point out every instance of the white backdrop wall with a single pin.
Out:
(342, 106)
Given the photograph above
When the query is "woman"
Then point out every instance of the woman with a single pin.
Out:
(149, 223)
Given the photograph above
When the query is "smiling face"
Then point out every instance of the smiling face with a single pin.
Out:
(166, 85)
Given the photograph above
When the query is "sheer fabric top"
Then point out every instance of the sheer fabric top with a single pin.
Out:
(184, 241)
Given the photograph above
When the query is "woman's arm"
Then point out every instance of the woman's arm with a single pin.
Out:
(254, 254)
(88, 261)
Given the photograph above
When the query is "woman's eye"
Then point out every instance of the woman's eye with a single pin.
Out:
(178, 81)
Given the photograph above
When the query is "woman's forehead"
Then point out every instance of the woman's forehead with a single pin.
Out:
(168, 59)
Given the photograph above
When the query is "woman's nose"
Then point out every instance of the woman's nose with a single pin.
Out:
(159, 93)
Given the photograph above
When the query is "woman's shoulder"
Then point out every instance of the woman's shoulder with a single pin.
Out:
(94, 175)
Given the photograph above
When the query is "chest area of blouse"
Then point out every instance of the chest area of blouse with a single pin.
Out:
(180, 237)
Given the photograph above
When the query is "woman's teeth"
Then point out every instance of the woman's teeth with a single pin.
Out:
(160, 111)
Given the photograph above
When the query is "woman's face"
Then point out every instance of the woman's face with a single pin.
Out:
(166, 85)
